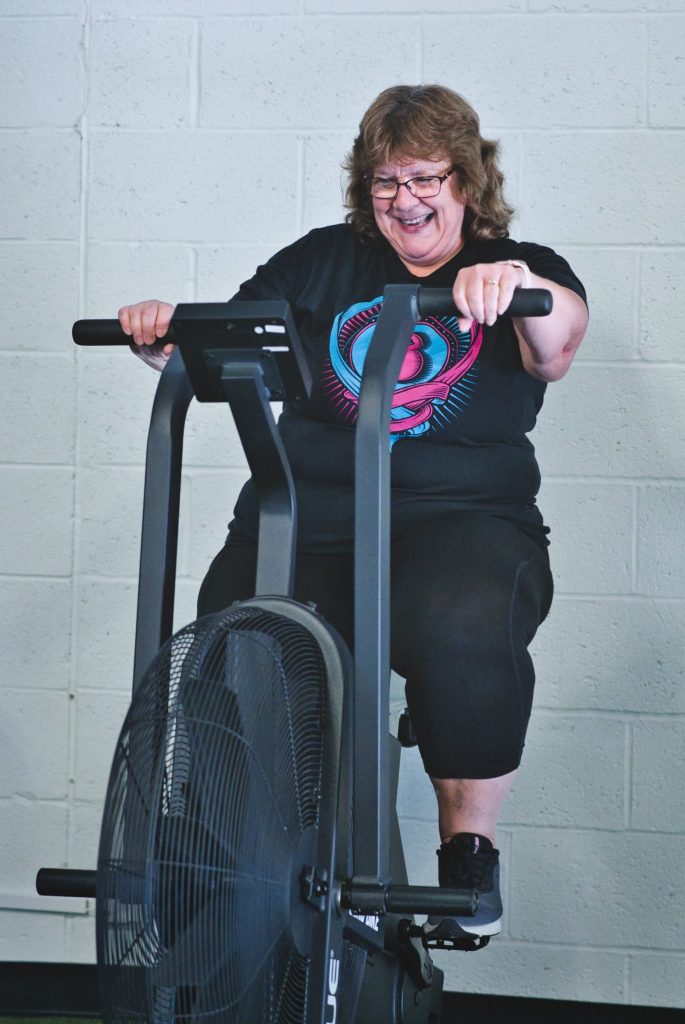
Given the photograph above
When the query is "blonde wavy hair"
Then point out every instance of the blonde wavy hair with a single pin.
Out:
(428, 122)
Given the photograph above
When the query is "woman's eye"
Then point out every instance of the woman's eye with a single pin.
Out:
(424, 180)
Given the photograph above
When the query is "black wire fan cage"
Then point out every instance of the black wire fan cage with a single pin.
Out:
(199, 913)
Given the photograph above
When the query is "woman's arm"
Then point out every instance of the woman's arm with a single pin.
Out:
(548, 344)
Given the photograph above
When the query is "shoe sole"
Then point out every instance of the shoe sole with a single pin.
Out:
(450, 929)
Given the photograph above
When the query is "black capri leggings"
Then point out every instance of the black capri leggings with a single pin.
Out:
(468, 591)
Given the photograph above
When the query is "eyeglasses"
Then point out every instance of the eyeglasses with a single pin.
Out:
(422, 187)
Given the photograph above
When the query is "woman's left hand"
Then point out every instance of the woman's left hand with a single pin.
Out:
(484, 291)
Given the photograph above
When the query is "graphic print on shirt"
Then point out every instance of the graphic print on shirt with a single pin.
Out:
(437, 376)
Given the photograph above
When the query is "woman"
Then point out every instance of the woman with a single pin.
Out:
(470, 573)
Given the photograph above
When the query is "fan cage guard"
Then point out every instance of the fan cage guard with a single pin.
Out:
(215, 783)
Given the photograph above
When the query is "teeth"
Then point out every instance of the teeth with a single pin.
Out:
(417, 220)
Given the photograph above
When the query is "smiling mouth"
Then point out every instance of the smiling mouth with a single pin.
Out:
(413, 222)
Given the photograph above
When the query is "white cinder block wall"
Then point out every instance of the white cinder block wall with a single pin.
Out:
(162, 148)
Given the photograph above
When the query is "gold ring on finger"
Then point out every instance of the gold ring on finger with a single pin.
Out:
(491, 280)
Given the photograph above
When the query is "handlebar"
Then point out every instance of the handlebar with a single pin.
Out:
(525, 302)
(432, 302)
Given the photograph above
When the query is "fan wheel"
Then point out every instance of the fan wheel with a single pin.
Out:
(212, 810)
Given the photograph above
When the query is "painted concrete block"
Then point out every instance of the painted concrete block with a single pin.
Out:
(612, 654)
(614, 421)
(38, 507)
(572, 774)
(120, 274)
(660, 306)
(667, 72)
(111, 503)
(41, 175)
(105, 630)
(85, 821)
(221, 269)
(41, 295)
(658, 757)
(212, 496)
(656, 979)
(558, 67)
(324, 179)
(34, 739)
(610, 277)
(660, 553)
(79, 939)
(99, 717)
(296, 72)
(35, 644)
(537, 970)
(144, 71)
(591, 536)
(572, 886)
(212, 439)
(187, 185)
(31, 937)
(116, 395)
(38, 408)
(42, 81)
(646, 209)
(34, 836)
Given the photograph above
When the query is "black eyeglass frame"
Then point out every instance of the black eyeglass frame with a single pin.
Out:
(370, 178)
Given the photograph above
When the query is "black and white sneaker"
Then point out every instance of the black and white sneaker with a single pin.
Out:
(468, 861)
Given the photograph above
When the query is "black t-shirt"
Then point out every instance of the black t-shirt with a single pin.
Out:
(463, 404)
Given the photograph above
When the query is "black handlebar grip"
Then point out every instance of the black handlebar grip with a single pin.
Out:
(526, 302)
(65, 882)
(99, 332)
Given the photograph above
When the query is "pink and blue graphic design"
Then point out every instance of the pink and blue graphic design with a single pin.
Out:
(437, 376)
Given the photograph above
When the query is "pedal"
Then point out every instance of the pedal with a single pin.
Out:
(461, 942)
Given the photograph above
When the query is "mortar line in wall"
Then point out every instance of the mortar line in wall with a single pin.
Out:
(276, 129)
(195, 72)
(628, 13)
(648, 72)
(628, 977)
(587, 831)
(300, 184)
(637, 293)
(636, 247)
(635, 541)
(618, 714)
(637, 481)
(78, 432)
(628, 774)
(621, 598)
(192, 282)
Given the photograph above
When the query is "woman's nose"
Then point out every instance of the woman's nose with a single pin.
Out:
(404, 197)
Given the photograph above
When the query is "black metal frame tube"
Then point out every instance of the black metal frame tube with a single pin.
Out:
(371, 702)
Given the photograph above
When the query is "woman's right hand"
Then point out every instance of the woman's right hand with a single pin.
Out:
(147, 322)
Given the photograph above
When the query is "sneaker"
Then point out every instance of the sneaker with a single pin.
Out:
(468, 861)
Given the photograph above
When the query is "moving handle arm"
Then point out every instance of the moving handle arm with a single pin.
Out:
(403, 307)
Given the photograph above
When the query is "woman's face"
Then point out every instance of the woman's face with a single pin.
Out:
(425, 233)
